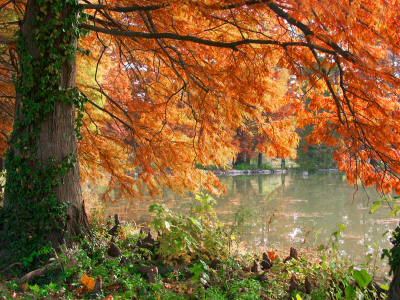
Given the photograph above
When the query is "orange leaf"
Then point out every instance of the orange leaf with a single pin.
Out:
(272, 256)
(87, 282)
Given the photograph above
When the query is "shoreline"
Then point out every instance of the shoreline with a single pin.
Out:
(262, 172)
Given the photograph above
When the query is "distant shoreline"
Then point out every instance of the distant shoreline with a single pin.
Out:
(258, 172)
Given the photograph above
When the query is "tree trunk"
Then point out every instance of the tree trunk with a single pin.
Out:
(283, 164)
(54, 142)
(248, 160)
(394, 288)
(1, 164)
(239, 160)
(260, 159)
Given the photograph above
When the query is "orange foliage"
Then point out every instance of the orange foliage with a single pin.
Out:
(7, 69)
(169, 81)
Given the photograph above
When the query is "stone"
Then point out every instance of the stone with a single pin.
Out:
(97, 285)
(214, 264)
(307, 286)
(256, 268)
(113, 250)
(153, 275)
(266, 263)
(293, 255)
(149, 239)
(117, 227)
(263, 276)
(293, 287)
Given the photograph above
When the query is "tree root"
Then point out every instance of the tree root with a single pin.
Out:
(10, 266)
(36, 273)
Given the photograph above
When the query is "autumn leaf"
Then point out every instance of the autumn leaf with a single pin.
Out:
(87, 282)
(272, 256)
(114, 287)
(24, 286)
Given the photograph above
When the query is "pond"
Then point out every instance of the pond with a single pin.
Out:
(293, 209)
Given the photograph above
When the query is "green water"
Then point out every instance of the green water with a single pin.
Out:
(292, 209)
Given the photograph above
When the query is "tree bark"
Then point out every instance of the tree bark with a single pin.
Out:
(239, 160)
(55, 140)
(259, 159)
(283, 163)
(394, 288)
(248, 160)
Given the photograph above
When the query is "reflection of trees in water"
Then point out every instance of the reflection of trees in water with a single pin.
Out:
(252, 193)
(321, 201)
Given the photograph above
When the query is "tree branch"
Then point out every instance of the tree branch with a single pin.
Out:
(174, 36)
(124, 9)
(6, 41)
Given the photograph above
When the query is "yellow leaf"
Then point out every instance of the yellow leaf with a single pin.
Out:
(87, 281)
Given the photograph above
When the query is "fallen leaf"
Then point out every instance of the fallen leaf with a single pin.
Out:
(108, 297)
(272, 256)
(114, 287)
(87, 282)
(24, 286)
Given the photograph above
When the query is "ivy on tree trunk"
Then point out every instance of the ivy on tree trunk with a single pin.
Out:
(43, 200)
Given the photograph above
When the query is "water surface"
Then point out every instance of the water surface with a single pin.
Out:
(293, 209)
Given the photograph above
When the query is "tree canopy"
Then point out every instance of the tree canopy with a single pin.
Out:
(168, 83)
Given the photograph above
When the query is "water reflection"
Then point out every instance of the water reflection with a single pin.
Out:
(294, 209)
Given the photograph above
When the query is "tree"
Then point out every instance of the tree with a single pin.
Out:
(252, 135)
(314, 157)
(176, 76)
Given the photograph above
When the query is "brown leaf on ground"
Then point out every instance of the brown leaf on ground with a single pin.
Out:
(24, 286)
(114, 287)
